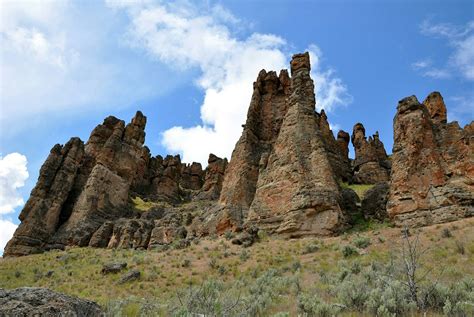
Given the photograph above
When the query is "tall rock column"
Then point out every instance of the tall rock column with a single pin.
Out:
(297, 193)
(371, 164)
(264, 118)
(432, 178)
(41, 215)
(118, 162)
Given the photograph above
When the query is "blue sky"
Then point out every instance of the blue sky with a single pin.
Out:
(189, 66)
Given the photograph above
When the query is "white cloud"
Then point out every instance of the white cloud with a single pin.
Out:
(461, 108)
(426, 69)
(13, 174)
(461, 59)
(330, 90)
(202, 37)
(7, 228)
(59, 58)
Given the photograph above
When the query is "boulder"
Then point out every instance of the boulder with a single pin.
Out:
(129, 277)
(35, 301)
(113, 267)
(374, 203)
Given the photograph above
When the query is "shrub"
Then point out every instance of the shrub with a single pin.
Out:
(348, 251)
(460, 247)
(310, 248)
(244, 255)
(353, 293)
(229, 235)
(295, 266)
(186, 263)
(221, 269)
(446, 233)
(361, 242)
(314, 306)
(213, 263)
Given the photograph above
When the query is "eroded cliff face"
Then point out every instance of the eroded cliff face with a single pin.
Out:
(84, 191)
(297, 192)
(432, 178)
(371, 164)
(284, 177)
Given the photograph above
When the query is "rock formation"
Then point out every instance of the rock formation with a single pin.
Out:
(83, 194)
(284, 177)
(374, 203)
(35, 301)
(432, 178)
(371, 164)
(280, 177)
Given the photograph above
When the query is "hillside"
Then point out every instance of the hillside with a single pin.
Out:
(272, 276)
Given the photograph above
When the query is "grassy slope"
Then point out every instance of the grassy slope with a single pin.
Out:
(77, 270)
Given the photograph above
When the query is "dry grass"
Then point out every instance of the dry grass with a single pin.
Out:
(77, 270)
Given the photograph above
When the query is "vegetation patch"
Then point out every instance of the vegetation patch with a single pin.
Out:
(360, 189)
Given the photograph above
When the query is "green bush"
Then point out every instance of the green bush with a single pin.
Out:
(348, 251)
(361, 242)
(310, 248)
(314, 306)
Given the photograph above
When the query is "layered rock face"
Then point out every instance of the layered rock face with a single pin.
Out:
(280, 176)
(284, 177)
(432, 178)
(371, 164)
(83, 194)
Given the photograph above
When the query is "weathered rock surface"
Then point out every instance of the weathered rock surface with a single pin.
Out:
(264, 118)
(371, 164)
(297, 192)
(113, 267)
(284, 177)
(374, 203)
(129, 277)
(337, 149)
(83, 195)
(432, 177)
(34, 301)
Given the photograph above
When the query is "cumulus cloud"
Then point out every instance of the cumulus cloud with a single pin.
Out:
(461, 41)
(7, 228)
(189, 36)
(56, 56)
(330, 90)
(13, 174)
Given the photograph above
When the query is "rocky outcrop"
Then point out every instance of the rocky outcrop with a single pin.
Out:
(374, 203)
(43, 212)
(432, 178)
(297, 192)
(83, 195)
(213, 178)
(285, 177)
(284, 171)
(371, 164)
(337, 149)
(35, 301)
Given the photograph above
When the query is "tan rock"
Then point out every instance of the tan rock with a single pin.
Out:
(432, 177)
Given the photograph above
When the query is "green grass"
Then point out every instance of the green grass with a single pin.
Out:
(311, 260)
(360, 189)
(140, 205)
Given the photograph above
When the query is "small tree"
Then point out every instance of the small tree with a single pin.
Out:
(413, 272)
